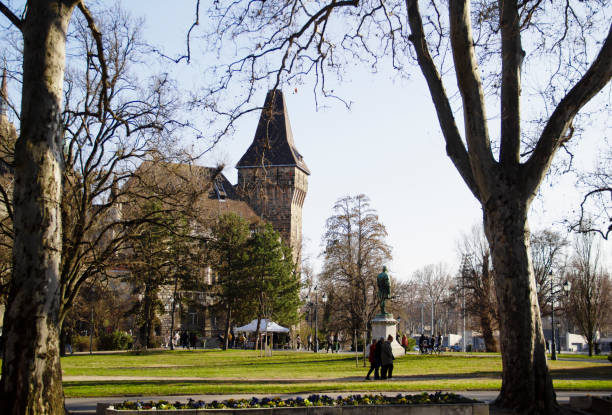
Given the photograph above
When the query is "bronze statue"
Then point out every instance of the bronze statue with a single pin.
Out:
(384, 288)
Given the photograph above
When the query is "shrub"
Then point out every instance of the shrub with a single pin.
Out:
(411, 343)
(312, 400)
(117, 340)
(81, 344)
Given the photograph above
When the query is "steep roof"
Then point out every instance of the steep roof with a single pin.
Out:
(3, 94)
(206, 191)
(273, 143)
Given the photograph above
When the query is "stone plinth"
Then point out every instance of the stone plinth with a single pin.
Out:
(384, 325)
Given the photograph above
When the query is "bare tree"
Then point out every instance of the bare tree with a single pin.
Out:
(595, 209)
(66, 160)
(434, 282)
(29, 383)
(547, 255)
(476, 278)
(406, 304)
(355, 251)
(590, 298)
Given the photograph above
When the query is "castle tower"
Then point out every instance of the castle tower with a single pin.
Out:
(3, 95)
(8, 133)
(272, 175)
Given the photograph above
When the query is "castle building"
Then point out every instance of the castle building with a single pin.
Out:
(272, 175)
(272, 185)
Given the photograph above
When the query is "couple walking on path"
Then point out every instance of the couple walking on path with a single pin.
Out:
(381, 357)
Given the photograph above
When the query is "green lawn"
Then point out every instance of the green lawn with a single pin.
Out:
(237, 371)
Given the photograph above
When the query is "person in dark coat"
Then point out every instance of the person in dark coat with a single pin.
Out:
(330, 343)
(374, 363)
(378, 355)
(386, 356)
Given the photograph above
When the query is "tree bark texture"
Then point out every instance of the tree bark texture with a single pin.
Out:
(31, 374)
(526, 382)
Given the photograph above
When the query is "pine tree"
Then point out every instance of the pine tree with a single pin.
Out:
(274, 285)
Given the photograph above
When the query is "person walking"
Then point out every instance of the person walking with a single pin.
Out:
(336, 342)
(298, 341)
(405, 342)
(309, 338)
(330, 343)
(374, 362)
(386, 356)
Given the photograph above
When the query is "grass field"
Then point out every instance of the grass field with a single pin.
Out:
(238, 371)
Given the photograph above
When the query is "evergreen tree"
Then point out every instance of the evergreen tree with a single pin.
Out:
(274, 285)
(228, 253)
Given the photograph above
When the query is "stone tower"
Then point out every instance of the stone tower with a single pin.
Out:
(8, 133)
(272, 175)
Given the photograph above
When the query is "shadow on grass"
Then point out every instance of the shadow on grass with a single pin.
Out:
(583, 373)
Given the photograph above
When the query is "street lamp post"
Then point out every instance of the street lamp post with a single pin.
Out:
(316, 310)
(422, 323)
(316, 339)
(553, 355)
(567, 286)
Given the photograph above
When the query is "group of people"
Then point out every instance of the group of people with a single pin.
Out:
(430, 344)
(333, 343)
(185, 339)
(381, 358)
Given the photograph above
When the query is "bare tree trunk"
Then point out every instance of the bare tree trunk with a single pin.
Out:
(257, 332)
(486, 314)
(228, 322)
(173, 311)
(31, 374)
(487, 331)
(526, 382)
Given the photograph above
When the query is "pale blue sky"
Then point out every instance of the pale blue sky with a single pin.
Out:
(388, 146)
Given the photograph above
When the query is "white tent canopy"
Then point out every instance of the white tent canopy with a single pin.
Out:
(265, 326)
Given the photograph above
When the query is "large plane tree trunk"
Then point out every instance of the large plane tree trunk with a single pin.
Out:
(505, 185)
(31, 374)
(525, 376)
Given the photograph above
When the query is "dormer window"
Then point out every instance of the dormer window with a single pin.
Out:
(220, 191)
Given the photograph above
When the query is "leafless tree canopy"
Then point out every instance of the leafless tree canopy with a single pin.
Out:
(355, 251)
(548, 256)
(476, 282)
(590, 298)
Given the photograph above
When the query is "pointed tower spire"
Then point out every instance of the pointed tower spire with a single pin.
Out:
(3, 95)
(273, 143)
(272, 175)
(114, 191)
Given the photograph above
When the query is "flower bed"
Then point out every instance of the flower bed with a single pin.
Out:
(316, 404)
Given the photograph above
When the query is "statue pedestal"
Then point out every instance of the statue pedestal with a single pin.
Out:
(384, 325)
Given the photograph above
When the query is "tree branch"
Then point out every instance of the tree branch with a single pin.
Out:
(596, 78)
(16, 21)
(454, 145)
(470, 86)
(103, 102)
(512, 58)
